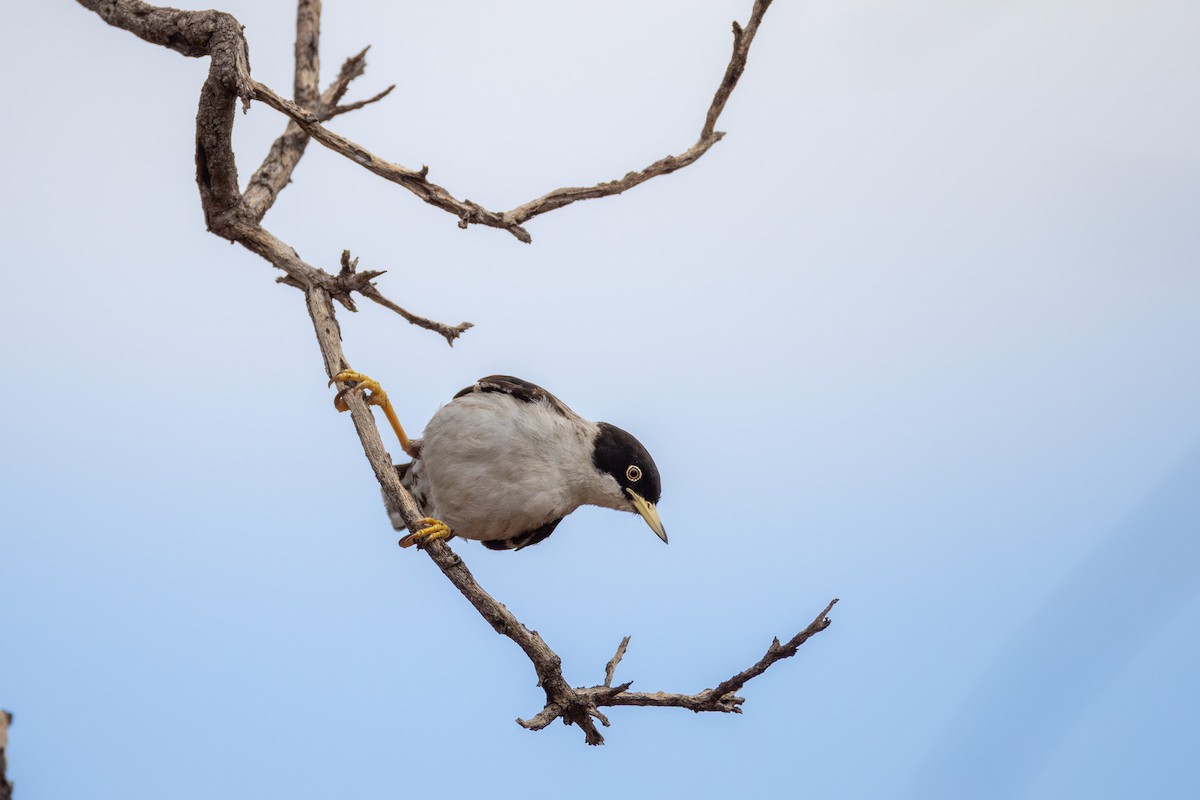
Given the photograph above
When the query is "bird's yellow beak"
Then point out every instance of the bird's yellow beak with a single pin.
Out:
(649, 513)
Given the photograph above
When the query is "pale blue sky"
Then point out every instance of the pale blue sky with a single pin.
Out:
(923, 333)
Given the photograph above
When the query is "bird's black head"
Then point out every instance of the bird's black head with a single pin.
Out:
(623, 457)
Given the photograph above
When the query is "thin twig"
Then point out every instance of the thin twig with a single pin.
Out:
(564, 197)
(349, 280)
(353, 67)
(742, 38)
(775, 653)
(611, 667)
(449, 332)
(356, 105)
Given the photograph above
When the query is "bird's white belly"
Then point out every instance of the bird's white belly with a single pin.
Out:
(495, 467)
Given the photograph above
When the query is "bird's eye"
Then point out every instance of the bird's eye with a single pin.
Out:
(633, 473)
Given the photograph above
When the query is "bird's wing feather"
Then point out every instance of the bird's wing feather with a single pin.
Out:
(519, 389)
(523, 539)
(411, 480)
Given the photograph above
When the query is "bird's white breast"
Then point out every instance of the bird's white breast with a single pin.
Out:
(494, 466)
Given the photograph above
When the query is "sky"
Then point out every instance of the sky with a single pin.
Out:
(920, 333)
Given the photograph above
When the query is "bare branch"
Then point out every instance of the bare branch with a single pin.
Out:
(341, 287)
(228, 213)
(196, 34)
(413, 180)
(611, 667)
(263, 189)
(308, 57)
(186, 32)
(742, 38)
(469, 212)
(564, 197)
(775, 653)
(449, 332)
(355, 106)
(353, 67)
(708, 136)
(702, 701)
(721, 699)
(276, 171)
(277, 168)
(5, 786)
(349, 280)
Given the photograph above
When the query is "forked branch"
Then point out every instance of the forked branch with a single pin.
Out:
(722, 698)
(468, 212)
(237, 216)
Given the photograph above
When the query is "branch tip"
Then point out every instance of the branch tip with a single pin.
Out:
(339, 110)
(611, 667)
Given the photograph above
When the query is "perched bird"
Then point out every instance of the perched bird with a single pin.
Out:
(504, 461)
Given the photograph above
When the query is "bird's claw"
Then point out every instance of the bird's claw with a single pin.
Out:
(434, 529)
(359, 383)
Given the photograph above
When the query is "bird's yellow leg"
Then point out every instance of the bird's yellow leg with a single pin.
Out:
(377, 397)
(434, 529)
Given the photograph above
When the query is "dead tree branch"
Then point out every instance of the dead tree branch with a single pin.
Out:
(276, 170)
(5, 786)
(237, 216)
(610, 668)
(308, 53)
(416, 181)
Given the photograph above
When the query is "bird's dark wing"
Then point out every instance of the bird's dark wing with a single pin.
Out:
(524, 539)
(520, 389)
(410, 479)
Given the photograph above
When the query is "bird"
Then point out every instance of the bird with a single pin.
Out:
(505, 461)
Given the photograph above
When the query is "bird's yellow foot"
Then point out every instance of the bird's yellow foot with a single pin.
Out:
(434, 529)
(373, 395)
(359, 383)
